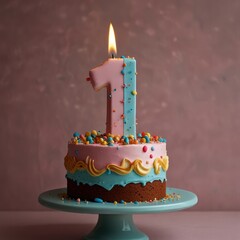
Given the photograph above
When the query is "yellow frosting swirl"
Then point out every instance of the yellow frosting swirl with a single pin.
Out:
(140, 169)
(72, 165)
(160, 163)
(91, 168)
(125, 167)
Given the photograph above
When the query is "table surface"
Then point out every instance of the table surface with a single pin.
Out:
(183, 225)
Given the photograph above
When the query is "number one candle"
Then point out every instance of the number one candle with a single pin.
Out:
(118, 75)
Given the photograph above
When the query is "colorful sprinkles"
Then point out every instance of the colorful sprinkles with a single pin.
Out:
(98, 200)
(169, 198)
(96, 137)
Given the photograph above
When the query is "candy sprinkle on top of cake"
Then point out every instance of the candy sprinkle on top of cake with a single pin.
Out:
(96, 137)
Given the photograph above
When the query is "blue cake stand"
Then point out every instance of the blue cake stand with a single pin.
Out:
(115, 220)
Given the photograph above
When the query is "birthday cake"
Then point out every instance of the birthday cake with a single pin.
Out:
(116, 169)
(119, 165)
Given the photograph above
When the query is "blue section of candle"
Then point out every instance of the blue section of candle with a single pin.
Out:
(129, 75)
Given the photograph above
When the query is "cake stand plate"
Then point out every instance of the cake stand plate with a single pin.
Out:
(115, 221)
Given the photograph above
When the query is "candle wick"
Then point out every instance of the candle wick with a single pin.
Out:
(113, 55)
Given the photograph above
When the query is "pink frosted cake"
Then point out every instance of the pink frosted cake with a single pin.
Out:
(121, 172)
(119, 165)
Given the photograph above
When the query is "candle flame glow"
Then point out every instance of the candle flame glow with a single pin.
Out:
(112, 48)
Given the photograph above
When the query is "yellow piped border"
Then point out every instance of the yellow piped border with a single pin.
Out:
(72, 165)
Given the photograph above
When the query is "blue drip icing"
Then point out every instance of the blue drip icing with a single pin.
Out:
(129, 98)
(109, 179)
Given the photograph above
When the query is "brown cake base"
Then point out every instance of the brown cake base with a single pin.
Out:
(130, 193)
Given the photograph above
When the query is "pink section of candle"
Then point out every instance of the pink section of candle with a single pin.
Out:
(109, 75)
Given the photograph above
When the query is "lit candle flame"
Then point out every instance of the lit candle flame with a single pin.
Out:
(112, 48)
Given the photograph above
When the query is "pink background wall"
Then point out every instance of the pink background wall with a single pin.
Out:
(188, 58)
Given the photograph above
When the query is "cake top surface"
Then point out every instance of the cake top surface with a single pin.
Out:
(98, 138)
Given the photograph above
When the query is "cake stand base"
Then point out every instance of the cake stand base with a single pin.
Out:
(115, 221)
(117, 227)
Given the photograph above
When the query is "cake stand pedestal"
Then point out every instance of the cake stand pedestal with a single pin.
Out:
(115, 221)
